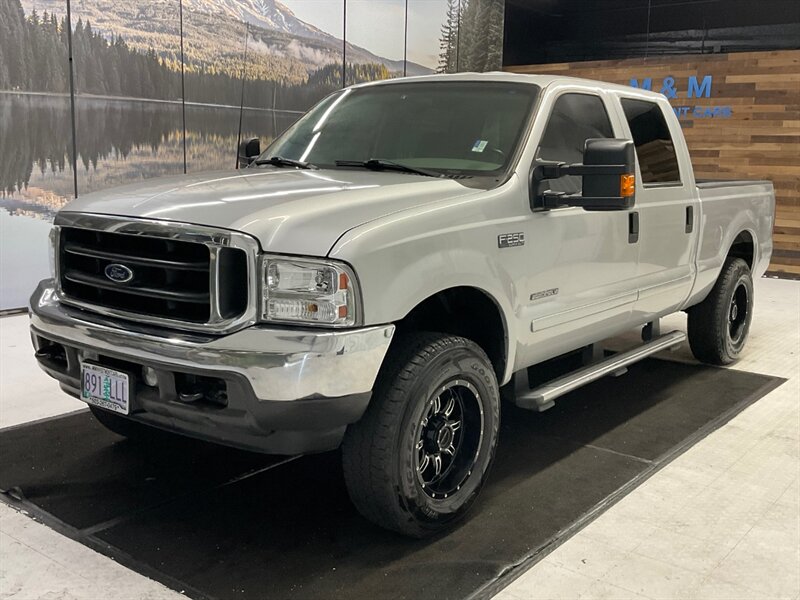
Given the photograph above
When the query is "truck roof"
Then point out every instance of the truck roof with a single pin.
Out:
(501, 76)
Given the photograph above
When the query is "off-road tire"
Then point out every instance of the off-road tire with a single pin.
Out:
(717, 329)
(383, 452)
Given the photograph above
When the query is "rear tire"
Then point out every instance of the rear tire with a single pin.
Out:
(419, 456)
(719, 325)
(120, 425)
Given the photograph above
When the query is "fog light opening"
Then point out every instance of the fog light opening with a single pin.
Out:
(150, 376)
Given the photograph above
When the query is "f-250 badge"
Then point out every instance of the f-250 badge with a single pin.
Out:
(509, 240)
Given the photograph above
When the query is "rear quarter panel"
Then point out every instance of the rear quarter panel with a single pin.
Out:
(727, 209)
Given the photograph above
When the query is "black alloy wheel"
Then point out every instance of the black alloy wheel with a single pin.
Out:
(718, 327)
(419, 456)
(449, 438)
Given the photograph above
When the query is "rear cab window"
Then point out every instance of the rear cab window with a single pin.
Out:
(655, 149)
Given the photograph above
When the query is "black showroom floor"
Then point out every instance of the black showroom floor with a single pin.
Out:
(220, 523)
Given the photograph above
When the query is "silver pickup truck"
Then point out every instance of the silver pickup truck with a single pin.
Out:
(403, 252)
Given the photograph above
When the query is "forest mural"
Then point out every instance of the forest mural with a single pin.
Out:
(143, 68)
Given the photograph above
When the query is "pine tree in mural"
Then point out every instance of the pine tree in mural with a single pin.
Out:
(495, 22)
(448, 42)
(34, 58)
(472, 36)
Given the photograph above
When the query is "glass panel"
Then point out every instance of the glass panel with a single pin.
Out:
(480, 35)
(580, 30)
(427, 31)
(550, 31)
(289, 71)
(127, 84)
(36, 176)
(574, 119)
(654, 147)
(375, 39)
(455, 128)
(214, 49)
(470, 33)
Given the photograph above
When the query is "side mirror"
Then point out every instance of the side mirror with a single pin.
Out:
(248, 151)
(607, 170)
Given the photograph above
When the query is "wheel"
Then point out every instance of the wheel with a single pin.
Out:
(419, 456)
(120, 425)
(719, 325)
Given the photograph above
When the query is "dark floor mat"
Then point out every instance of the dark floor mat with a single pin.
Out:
(173, 511)
(75, 469)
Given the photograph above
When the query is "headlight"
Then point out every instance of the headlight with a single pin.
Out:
(308, 291)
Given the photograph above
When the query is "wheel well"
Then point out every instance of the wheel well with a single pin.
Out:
(744, 248)
(463, 311)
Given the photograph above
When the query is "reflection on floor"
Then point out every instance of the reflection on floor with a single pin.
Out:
(658, 531)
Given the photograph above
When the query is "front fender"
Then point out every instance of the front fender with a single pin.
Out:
(404, 259)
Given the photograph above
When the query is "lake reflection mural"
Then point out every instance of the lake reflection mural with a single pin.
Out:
(262, 64)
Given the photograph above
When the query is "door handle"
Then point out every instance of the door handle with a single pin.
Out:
(689, 219)
(633, 227)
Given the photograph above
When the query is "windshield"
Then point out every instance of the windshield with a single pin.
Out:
(450, 128)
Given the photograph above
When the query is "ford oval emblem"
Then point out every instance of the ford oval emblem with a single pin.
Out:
(118, 273)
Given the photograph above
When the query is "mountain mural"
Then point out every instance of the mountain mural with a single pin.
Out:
(281, 47)
(266, 14)
(131, 121)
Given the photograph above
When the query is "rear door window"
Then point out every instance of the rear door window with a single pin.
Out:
(655, 149)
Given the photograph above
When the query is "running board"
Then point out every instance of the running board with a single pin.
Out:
(542, 397)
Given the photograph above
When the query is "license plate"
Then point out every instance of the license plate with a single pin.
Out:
(105, 388)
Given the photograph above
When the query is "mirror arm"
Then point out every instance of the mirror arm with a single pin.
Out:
(554, 171)
(551, 199)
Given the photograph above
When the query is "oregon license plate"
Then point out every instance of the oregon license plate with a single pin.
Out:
(105, 388)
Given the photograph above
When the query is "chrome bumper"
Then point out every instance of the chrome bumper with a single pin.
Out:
(279, 364)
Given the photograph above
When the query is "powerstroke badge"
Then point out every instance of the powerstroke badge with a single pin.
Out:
(510, 240)
(544, 294)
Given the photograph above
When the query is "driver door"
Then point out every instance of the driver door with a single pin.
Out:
(581, 285)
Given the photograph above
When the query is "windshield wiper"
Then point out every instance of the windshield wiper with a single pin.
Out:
(382, 164)
(279, 161)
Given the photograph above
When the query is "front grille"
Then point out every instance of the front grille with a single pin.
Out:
(153, 277)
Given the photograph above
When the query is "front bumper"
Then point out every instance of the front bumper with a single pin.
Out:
(286, 390)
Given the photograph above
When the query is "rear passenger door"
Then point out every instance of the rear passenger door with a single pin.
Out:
(666, 203)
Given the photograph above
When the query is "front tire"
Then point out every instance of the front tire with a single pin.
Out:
(419, 456)
(719, 325)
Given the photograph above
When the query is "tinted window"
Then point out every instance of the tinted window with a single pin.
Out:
(654, 146)
(454, 127)
(581, 30)
(574, 119)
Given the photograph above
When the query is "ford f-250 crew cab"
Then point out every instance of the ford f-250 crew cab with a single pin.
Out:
(402, 252)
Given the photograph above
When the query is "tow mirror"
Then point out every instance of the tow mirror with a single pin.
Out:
(607, 170)
(248, 151)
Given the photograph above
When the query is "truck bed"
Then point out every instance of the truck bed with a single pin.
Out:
(727, 208)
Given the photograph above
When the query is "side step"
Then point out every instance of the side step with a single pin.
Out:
(542, 397)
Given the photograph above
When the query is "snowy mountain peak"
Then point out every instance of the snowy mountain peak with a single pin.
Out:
(268, 14)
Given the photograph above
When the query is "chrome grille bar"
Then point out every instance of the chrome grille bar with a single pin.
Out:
(184, 276)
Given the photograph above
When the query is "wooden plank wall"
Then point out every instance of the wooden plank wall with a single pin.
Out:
(759, 140)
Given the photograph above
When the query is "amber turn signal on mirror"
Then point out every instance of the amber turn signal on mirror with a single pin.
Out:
(627, 185)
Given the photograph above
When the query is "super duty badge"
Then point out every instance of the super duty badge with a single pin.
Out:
(509, 240)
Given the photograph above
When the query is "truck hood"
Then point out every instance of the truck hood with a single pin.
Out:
(289, 211)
